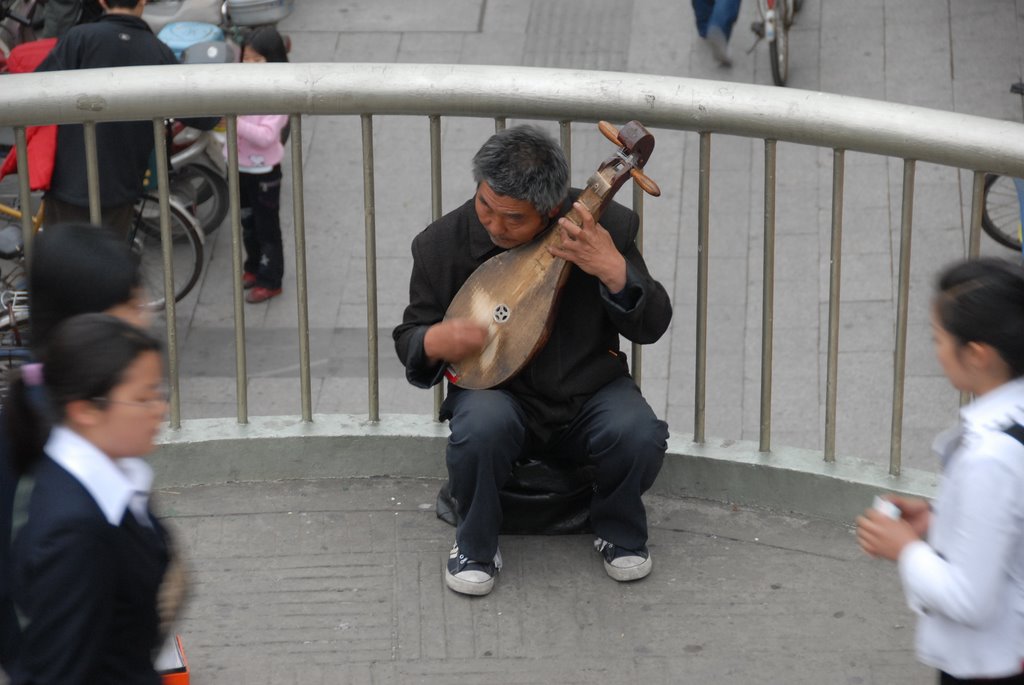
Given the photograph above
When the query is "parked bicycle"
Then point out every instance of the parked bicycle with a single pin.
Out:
(144, 238)
(1004, 210)
(19, 22)
(1003, 213)
(776, 18)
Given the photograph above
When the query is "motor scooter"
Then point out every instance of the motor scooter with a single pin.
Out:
(160, 13)
(229, 14)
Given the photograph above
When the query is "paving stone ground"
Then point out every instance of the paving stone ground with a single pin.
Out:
(339, 581)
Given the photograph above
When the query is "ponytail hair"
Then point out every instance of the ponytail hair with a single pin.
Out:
(982, 300)
(85, 359)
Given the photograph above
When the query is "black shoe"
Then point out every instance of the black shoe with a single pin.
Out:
(470, 577)
(624, 564)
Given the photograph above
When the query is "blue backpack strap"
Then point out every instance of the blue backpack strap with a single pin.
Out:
(1016, 431)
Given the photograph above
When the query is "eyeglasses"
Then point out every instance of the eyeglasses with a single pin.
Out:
(163, 397)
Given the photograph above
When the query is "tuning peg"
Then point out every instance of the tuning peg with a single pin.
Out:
(645, 182)
(610, 131)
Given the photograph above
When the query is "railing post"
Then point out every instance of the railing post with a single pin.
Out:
(703, 220)
(369, 212)
(435, 213)
(24, 193)
(301, 280)
(565, 138)
(977, 209)
(92, 172)
(163, 184)
(241, 377)
(834, 285)
(768, 296)
(636, 349)
(900, 357)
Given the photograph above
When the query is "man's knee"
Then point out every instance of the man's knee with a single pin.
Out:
(486, 415)
(633, 429)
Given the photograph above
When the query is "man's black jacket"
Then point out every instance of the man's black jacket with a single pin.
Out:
(582, 354)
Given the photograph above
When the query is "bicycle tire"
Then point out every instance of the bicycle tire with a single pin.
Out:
(207, 189)
(187, 245)
(14, 350)
(1001, 217)
(778, 49)
(10, 359)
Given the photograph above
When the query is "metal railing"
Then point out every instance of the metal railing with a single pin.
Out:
(710, 108)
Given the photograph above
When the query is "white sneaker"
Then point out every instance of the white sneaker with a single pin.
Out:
(624, 564)
(719, 45)
(470, 577)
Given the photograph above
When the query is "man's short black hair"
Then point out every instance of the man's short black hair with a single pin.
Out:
(525, 163)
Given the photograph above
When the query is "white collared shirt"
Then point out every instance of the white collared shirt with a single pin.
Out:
(115, 484)
(967, 582)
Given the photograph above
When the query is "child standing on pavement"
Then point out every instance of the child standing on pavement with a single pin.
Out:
(260, 149)
(966, 583)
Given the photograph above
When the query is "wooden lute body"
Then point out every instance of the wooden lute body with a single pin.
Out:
(515, 294)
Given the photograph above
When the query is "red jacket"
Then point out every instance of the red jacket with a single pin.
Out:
(42, 140)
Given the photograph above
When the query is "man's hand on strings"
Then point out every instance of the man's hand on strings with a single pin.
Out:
(453, 340)
(590, 247)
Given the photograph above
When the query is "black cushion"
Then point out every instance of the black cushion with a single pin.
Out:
(543, 496)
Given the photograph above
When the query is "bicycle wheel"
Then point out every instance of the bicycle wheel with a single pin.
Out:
(1001, 218)
(186, 253)
(207, 189)
(778, 49)
(14, 340)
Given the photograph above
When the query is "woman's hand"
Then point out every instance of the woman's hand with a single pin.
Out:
(915, 511)
(881, 536)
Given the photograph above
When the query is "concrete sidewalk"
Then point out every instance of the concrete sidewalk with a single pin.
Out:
(339, 582)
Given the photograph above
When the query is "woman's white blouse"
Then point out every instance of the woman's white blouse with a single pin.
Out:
(967, 582)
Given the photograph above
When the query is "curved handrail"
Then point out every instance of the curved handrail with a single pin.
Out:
(813, 118)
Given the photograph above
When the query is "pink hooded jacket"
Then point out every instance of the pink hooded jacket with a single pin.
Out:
(259, 142)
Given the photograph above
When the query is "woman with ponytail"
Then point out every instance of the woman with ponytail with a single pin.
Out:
(87, 555)
(75, 269)
(961, 558)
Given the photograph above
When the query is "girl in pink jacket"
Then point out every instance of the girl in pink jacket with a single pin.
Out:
(260, 149)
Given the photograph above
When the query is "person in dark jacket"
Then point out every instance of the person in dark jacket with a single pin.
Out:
(88, 556)
(575, 398)
(120, 38)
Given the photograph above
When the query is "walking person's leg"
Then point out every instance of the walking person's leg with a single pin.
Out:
(719, 29)
(701, 14)
(724, 16)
